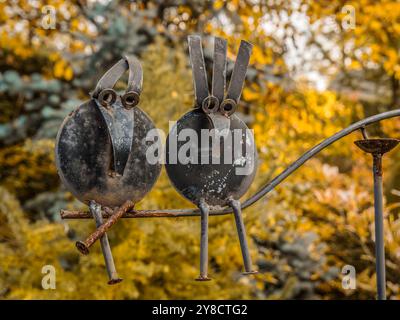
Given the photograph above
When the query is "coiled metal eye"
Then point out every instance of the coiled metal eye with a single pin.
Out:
(210, 104)
(228, 107)
(130, 99)
(107, 97)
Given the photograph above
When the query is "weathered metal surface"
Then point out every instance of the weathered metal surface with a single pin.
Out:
(239, 71)
(377, 146)
(101, 146)
(85, 162)
(214, 183)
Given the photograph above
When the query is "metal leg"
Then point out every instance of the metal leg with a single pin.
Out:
(204, 210)
(379, 241)
(83, 246)
(237, 211)
(95, 209)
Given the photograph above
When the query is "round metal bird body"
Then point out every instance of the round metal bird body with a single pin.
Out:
(101, 146)
(223, 168)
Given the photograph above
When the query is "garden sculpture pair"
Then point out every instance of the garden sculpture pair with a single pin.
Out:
(101, 155)
(101, 149)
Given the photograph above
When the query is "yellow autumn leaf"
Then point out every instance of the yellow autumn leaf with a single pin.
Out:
(250, 95)
(58, 69)
(68, 73)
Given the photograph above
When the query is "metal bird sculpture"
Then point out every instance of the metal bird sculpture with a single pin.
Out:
(216, 173)
(101, 150)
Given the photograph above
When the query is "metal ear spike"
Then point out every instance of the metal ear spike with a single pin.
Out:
(203, 99)
(117, 116)
(219, 69)
(239, 71)
(212, 102)
(131, 97)
(219, 121)
(198, 70)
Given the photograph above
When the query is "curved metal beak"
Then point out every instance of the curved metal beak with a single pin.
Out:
(219, 122)
(120, 122)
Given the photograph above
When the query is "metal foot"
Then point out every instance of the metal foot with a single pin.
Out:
(249, 273)
(200, 278)
(95, 209)
(237, 211)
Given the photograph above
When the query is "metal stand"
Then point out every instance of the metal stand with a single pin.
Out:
(378, 147)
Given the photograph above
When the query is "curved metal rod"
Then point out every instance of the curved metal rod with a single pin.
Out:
(259, 194)
(318, 148)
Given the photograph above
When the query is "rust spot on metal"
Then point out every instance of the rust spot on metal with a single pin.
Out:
(377, 164)
(114, 281)
(203, 278)
(82, 247)
(377, 146)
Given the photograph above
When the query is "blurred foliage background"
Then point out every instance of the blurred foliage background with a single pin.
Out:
(312, 74)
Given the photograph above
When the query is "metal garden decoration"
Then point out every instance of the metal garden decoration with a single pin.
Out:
(209, 177)
(101, 155)
(100, 152)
